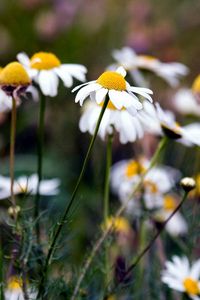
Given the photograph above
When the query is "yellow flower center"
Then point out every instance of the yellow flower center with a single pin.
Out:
(148, 58)
(196, 84)
(169, 203)
(120, 224)
(134, 168)
(112, 81)
(151, 186)
(44, 61)
(191, 286)
(14, 74)
(14, 283)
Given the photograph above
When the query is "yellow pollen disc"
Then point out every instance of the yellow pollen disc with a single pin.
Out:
(134, 168)
(44, 61)
(111, 106)
(169, 203)
(151, 186)
(14, 74)
(191, 286)
(14, 283)
(196, 84)
(112, 81)
(120, 224)
(148, 58)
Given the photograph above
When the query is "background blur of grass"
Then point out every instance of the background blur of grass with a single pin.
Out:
(86, 31)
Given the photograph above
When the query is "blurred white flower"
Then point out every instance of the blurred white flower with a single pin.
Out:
(188, 135)
(14, 290)
(46, 69)
(5, 102)
(28, 185)
(186, 103)
(177, 225)
(129, 127)
(170, 72)
(182, 277)
(120, 93)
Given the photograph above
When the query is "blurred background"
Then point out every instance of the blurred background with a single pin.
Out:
(86, 32)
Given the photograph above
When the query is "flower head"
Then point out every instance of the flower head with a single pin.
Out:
(180, 276)
(14, 78)
(188, 184)
(45, 69)
(28, 185)
(14, 290)
(113, 84)
(170, 72)
(120, 225)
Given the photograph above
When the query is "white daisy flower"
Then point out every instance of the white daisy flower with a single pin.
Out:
(170, 72)
(113, 84)
(45, 69)
(186, 103)
(188, 135)
(158, 181)
(182, 277)
(129, 127)
(14, 290)
(28, 185)
(177, 225)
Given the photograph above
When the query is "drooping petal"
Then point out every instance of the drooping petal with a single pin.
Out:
(48, 82)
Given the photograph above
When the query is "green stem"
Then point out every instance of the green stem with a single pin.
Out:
(12, 152)
(64, 217)
(39, 162)
(1, 274)
(105, 234)
(147, 248)
(106, 198)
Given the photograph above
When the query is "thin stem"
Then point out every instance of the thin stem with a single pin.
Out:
(71, 201)
(150, 244)
(1, 274)
(106, 197)
(39, 162)
(12, 151)
(100, 241)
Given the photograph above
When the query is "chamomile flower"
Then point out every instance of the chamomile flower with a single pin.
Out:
(179, 275)
(14, 80)
(186, 103)
(177, 225)
(28, 185)
(170, 72)
(45, 69)
(129, 127)
(14, 290)
(188, 135)
(113, 84)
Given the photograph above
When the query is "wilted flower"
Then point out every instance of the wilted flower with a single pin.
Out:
(45, 69)
(113, 84)
(28, 185)
(182, 277)
(170, 72)
(14, 79)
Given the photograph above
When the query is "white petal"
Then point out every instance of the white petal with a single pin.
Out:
(116, 98)
(81, 85)
(23, 59)
(84, 92)
(195, 270)
(131, 100)
(100, 95)
(48, 82)
(64, 76)
(121, 71)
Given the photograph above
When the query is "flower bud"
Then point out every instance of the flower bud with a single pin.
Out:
(187, 183)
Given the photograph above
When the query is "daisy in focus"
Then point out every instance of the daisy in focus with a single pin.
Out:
(14, 290)
(45, 69)
(179, 275)
(170, 72)
(119, 91)
(28, 185)
(127, 126)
